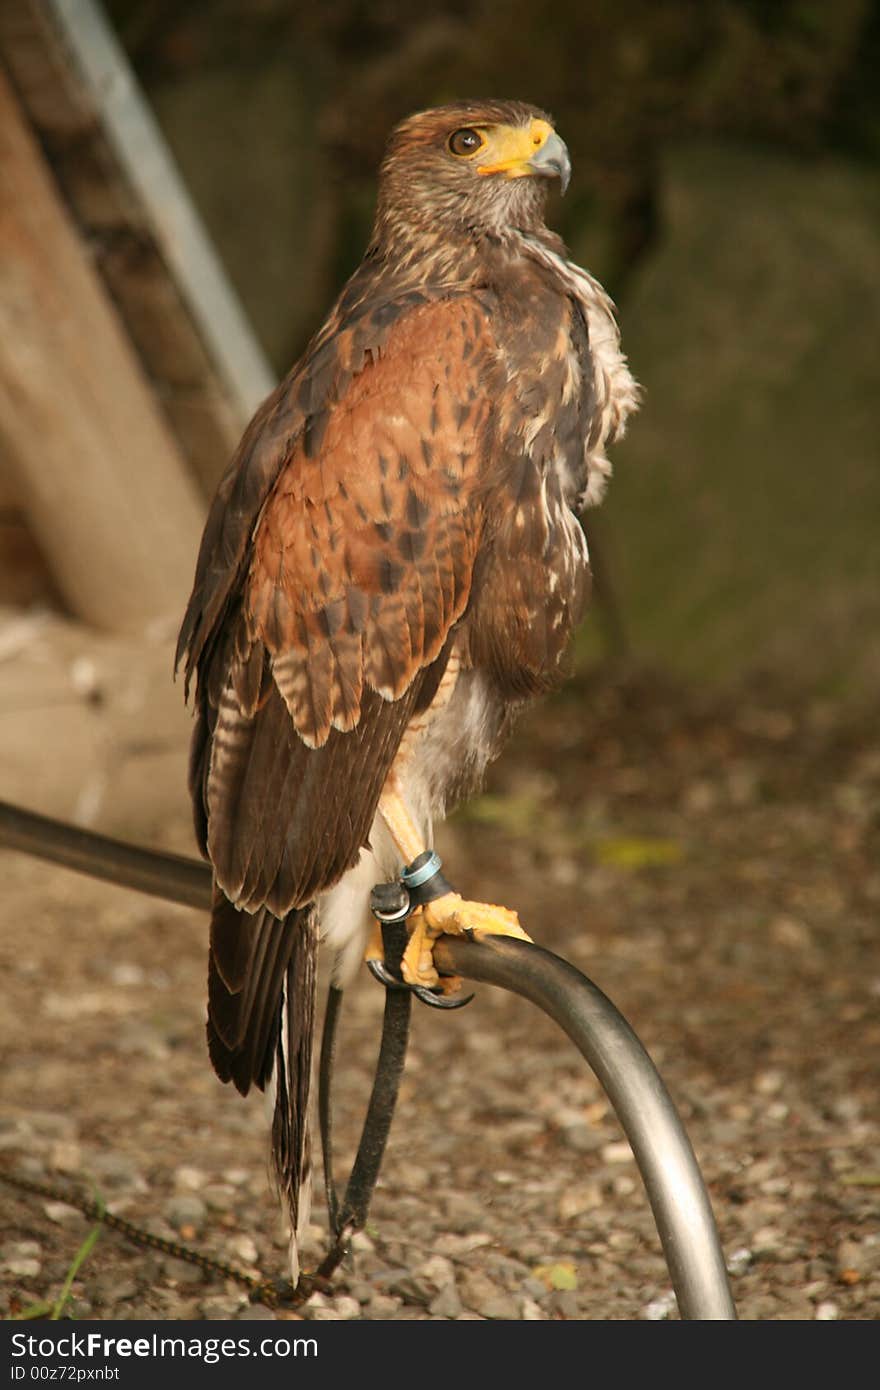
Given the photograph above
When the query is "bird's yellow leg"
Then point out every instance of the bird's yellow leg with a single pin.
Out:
(449, 914)
(375, 949)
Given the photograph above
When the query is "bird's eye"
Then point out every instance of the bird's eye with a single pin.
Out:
(465, 142)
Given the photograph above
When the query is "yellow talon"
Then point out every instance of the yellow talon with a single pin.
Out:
(454, 916)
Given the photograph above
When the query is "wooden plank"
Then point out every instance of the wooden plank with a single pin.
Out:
(25, 581)
(113, 169)
(111, 504)
(131, 130)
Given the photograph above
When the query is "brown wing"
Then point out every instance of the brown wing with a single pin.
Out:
(334, 629)
(533, 583)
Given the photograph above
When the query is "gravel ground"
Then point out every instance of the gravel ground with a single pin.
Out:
(706, 860)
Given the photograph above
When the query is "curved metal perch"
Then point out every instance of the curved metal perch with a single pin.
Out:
(169, 876)
(662, 1150)
(633, 1085)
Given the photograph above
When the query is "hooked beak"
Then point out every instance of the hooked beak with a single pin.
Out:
(524, 151)
(552, 161)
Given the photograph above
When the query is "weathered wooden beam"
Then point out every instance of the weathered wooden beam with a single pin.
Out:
(109, 499)
(119, 182)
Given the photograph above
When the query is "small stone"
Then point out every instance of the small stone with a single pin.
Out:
(530, 1311)
(743, 784)
(347, 1308)
(583, 1138)
(739, 1260)
(186, 1210)
(242, 1247)
(140, 1039)
(437, 1270)
(236, 1176)
(118, 1171)
(360, 1289)
(66, 1156)
(564, 1303)
(220, 1197)
(700, 797)
(485, 1297)
(181, 1271)
(62, 1214)
(256, 1312)
(126, 974)
(508, 1271)
(410, 1289)
(189, 1179)
(621, 1240)
(619, 1152)
(791, 933)
(461, 1210)
(383, 1306)
(827, 1312)
(125, 1289)
(220, 1306)
(111, 1289)
(13, 1134)
(23, 1266)
(768, 1083)
(50, 1125)
(575, 1201)
(84, 677)
(362, 1243)
(660, 1308)
(536, 1289)
(759, 1171)
(447, 1303)
(447, 1244)
(15, 1249)
(850, 1261)
(766, 1240)
(846, 1108)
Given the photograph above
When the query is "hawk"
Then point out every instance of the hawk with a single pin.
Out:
(391, 568)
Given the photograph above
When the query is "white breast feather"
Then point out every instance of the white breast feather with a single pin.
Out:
(616, 391)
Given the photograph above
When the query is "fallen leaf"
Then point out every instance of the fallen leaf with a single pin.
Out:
(558, 1276)
(632, 852)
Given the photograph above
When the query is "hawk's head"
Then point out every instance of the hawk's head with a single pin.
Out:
(473, 166)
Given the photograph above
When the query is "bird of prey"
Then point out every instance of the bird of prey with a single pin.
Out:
(391, 568)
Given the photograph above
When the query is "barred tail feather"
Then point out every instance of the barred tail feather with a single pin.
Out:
(262, 977)
(291, 1140)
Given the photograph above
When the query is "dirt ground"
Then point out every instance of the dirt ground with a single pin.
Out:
(710, 861)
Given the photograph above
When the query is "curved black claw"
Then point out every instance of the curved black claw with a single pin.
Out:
(436, 999)
(379, 971)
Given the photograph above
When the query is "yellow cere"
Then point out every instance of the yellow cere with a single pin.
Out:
(511, 147)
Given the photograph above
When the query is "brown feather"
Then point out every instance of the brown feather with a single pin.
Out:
(338, 589)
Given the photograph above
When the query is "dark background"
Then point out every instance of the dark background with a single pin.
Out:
(725, 190)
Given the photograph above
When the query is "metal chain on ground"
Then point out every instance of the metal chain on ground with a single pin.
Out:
(268, 1291)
